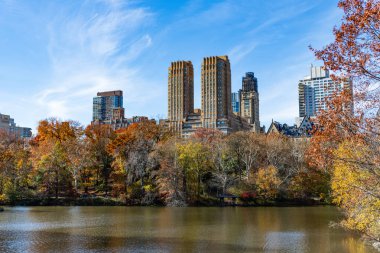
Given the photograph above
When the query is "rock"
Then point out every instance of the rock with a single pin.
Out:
(376, 245)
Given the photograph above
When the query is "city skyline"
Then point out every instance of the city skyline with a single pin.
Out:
(56, 72)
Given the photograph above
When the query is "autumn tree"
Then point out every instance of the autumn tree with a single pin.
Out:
(97, 161)
(15, 168)
(207, 135)
(278, 154)
(171, 176)
(354, 55)
(346, 142)
(356, 188)
(267, 182)
(249, 150)
(131, 149)
(50, 155)
(225, 163)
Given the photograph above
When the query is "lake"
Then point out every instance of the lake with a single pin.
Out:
(159, 229)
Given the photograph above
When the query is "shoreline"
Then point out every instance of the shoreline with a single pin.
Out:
(112, 202)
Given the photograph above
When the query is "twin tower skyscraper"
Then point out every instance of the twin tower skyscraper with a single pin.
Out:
(216, 107)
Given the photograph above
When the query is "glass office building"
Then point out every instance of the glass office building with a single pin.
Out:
(235, 102)
(106, 104)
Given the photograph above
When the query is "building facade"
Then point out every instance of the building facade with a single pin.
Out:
(125, 122)
(180, 93)
(249, 101)
(301, 131)
(108, 109)
(8, 124)
(216, 111)
(108, 106)
(216, 93)
(314, 89)
(235, 102)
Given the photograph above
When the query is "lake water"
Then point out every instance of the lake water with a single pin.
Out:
(154, 229)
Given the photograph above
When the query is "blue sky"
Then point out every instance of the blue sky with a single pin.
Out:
(55, 55)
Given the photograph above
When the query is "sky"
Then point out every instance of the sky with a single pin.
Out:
(56, 55)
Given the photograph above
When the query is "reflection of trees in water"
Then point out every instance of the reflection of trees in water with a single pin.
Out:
(134, 229)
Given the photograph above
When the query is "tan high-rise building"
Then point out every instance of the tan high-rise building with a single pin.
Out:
(249, 101)
(180, 93)
(216, 111)
(216, 93)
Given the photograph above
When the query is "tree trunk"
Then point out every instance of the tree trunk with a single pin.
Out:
(56, 183)
(199, 186)
(184, 185)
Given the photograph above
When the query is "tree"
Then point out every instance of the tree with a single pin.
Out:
(250, 151)
(207, 135)
(355, 55)
(235, 148)
(346, 142)
(223, 175)
(131, 149)
(97, 162)
(15, 168)
(267, 182)
(50, 155)
(278, 152)
(355, 51)
(357, 189)
(193, 157)
(171, 176)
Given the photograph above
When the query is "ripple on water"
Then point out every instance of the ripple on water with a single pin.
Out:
(285, 242)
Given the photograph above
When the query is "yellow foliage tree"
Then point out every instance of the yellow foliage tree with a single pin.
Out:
(355, 185)
(267, 182)
(193, 157)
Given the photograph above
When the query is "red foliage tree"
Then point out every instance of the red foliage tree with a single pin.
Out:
(354, 55)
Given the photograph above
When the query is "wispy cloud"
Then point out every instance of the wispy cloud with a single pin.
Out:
(254, 37)
(65, 51)
(93, 52)
(240, 51)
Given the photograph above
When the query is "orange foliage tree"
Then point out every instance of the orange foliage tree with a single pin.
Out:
(347, 140)
(131, 150)
(52, 156)
(355, 54)
(97, 161)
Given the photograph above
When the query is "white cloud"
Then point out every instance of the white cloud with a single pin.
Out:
(254, 38)
(138, 47)
(93, 52)
(238, 52)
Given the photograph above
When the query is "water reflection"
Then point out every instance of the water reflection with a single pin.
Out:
(145, 229)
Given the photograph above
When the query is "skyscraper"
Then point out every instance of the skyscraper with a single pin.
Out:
(216, 98)
(249, 101)
(108, 106)
(216, 93)
(235, 101)
(180, 93)
(314, 89)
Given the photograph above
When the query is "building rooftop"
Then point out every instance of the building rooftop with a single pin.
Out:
(110, 93)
